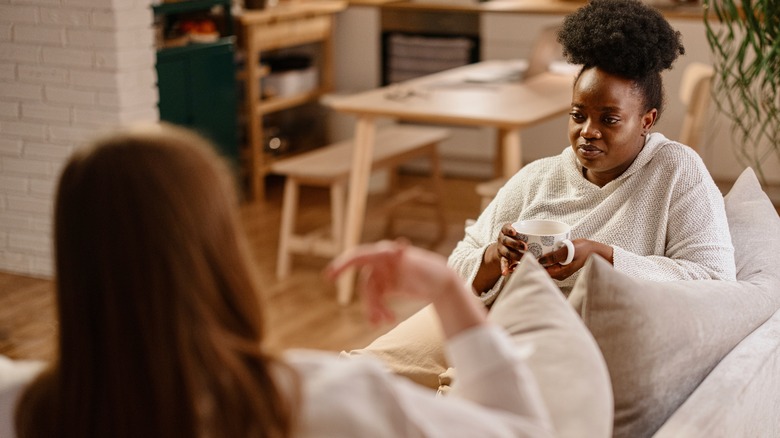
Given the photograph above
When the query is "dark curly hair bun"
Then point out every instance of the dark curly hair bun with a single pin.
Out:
(623, 37)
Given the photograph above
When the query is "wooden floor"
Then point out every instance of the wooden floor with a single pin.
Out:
(300, 311)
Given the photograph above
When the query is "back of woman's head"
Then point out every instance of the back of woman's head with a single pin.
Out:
(160, 324)
(626, 38)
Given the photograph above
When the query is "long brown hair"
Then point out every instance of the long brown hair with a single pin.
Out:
(160, 318)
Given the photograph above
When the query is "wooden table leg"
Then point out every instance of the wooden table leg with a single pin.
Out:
(511, 150)
(363, 144)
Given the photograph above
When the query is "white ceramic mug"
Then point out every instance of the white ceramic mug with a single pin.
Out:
(543, 236)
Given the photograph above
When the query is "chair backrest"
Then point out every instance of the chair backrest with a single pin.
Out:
(545, 50)
(695, 95)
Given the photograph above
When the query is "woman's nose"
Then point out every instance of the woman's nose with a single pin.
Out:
(589, 130)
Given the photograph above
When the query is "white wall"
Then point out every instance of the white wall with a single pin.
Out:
(68, 69)
(357, 60)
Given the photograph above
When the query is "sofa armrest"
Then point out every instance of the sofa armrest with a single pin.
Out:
(740, 397)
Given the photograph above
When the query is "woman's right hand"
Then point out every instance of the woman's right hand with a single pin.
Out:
(394, 268)
(509, 248)
(499, 259)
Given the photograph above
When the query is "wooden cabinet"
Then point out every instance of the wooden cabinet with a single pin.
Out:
(283, 26)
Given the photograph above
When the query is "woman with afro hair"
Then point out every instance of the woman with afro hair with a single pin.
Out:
(643, 202)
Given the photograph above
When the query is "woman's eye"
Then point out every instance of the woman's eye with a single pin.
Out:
(576, 116)
(611, 120)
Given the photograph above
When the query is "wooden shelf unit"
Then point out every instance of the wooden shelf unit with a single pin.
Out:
(286, 25)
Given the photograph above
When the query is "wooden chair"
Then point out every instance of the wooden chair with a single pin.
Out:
(330, 165)
(695, 95)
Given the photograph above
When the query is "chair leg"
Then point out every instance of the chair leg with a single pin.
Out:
(289, 212)
(438, 190)
(338, 209)
(393, 187)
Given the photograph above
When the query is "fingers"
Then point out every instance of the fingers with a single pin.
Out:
(507, 238)
(395, 269)
(554, 257)
(364, 255)
(507, 230)
(504, 267)
(559, 272)
(552, 262)
(509, 249)
(563, 255)
(372, 290)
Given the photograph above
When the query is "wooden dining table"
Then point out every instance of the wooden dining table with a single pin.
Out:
(484, 94)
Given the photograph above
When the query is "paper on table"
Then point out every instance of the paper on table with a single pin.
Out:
(563, 68)
(509, 70)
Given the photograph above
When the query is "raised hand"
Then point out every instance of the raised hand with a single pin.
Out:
(393, 268)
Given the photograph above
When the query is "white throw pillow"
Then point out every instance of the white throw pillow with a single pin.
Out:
(570, 370)
(567, 363)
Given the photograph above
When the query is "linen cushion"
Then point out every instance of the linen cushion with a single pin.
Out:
(755, 230)
(661, 339)
(570, 370)
(567, 363)
(413, 349)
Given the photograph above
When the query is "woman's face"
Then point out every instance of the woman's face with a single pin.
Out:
(607, 124)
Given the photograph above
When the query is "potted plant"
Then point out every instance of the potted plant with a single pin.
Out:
(744, 36)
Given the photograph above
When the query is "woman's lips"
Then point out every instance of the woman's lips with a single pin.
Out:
(589, 151)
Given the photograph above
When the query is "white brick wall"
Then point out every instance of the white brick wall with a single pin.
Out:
(68, 68)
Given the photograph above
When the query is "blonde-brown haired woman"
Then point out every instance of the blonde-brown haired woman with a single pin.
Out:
(161, 330)
(159, 323)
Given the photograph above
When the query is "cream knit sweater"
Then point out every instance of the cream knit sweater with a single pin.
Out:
(664, 216)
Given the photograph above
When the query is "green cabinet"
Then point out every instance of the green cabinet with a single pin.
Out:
(197, 86)
(197, 82)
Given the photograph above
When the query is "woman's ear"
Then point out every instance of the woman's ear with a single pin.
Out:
(648, 120)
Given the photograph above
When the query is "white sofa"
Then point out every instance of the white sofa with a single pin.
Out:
(740, 397)
(696, 358)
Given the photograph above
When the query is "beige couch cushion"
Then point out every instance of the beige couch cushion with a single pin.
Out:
(566, 361)
(413, 349)
(661, 339)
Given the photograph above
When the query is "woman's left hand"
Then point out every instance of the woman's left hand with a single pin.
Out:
(583, 248)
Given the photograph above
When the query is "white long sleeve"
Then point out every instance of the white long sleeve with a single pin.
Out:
(496, 395)
(664, 216)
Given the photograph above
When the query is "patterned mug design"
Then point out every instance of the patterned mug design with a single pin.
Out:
(544, 236)
(535, 249)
